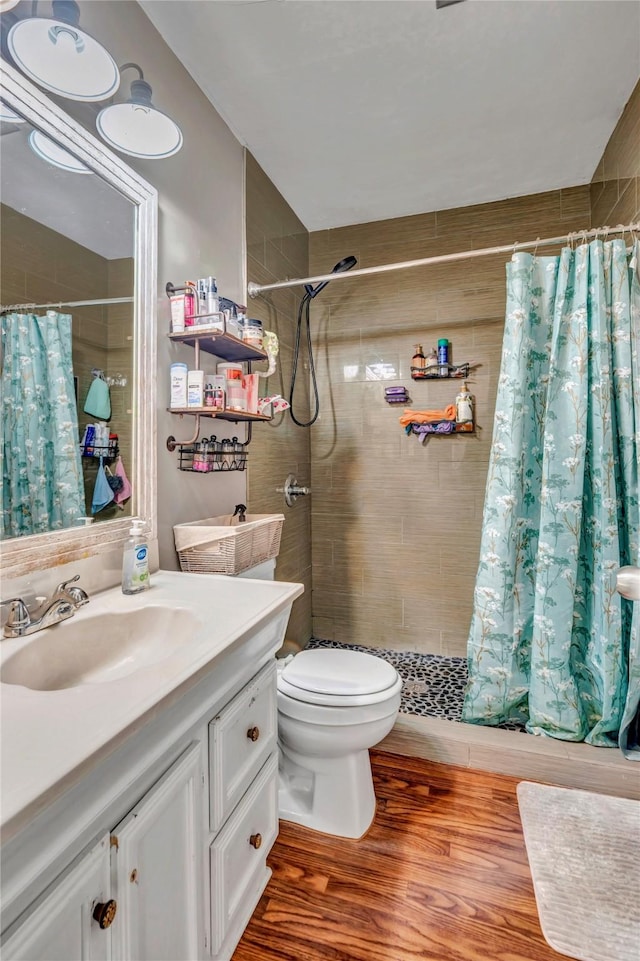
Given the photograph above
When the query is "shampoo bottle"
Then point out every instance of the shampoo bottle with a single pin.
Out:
(418, 363)
(135, 561)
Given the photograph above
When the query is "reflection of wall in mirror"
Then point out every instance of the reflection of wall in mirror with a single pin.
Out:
(40, 265)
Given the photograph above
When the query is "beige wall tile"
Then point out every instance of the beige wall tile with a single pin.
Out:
(615, 197)
(422, 553)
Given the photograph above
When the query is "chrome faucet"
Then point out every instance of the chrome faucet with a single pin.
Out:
(63, 603)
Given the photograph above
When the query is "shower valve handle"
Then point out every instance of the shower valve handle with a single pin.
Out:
(292, 489)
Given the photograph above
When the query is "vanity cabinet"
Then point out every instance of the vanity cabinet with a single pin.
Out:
(155, 866)
(61, 926)
(186, 864)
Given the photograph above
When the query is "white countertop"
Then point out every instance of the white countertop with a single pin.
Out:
(46, 735)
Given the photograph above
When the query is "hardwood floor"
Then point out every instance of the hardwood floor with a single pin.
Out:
(442, 875)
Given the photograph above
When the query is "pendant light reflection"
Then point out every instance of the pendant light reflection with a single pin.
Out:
(136, 127)
(7, 115)
(60, 57)
(50, 151)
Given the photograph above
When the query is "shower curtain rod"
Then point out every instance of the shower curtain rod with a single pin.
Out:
(66, 303)
(254, 289)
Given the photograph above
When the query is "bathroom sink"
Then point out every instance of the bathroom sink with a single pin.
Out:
(94, 649)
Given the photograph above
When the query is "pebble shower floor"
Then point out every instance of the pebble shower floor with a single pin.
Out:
(433, 685)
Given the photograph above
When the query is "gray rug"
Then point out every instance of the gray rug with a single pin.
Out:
(584, 854)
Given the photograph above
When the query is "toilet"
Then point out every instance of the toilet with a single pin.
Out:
(333, 705)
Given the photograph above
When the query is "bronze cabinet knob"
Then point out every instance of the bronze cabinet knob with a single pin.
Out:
(104, 913)
(255, 841)
(253, 733)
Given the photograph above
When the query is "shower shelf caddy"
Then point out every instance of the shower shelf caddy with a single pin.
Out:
(213, 456)
(221, 344)
(442, 372)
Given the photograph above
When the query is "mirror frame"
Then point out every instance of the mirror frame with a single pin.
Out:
(37, 552)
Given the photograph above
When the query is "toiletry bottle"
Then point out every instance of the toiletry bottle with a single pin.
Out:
(195, 388)
(432, 363)
(418, 363)
(212, 296)
(443, 358)
(464, 410)
(190, 306)
(178, 395)
(135, 561)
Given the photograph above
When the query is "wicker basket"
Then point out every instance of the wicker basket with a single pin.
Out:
(221, 545)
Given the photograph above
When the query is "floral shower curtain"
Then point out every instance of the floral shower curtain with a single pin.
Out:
(551, 643)
(42, 485)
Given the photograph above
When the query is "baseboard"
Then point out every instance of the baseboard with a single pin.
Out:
(603, 770)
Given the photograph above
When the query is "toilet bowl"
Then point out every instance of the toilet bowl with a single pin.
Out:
(333, 705)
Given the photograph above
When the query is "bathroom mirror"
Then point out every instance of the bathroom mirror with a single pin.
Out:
(119, 239)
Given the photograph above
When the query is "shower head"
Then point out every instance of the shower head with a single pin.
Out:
(346, 264)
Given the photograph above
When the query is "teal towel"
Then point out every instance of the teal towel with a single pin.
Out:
(98, 400)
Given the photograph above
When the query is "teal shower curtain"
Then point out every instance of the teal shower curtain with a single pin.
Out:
(42, 485)
(551, 643)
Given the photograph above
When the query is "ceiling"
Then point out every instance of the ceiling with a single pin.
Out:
(362, 110)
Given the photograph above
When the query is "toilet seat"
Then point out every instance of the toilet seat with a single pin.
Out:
(338, 678)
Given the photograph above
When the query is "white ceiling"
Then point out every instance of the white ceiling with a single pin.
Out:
(361, 110)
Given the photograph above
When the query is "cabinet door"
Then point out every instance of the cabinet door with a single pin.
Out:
(157, 855)
(61, 926)
(241, 738)
(238, 858)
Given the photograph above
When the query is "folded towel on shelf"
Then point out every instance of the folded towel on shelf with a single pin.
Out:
(428, 416)
(437, 427)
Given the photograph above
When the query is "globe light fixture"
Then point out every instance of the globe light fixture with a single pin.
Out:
(136, 127)
(60, 57)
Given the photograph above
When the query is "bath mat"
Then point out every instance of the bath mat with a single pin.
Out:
(584, 854)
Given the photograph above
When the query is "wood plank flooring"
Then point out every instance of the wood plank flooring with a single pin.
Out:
(442, 875)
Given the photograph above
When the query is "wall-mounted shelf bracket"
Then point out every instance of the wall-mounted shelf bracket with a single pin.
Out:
(172, 443)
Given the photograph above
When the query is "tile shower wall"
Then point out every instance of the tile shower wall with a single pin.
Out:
(395, 524)
(615, 187)
(277, 247)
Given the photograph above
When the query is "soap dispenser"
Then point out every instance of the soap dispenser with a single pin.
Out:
(135, 561)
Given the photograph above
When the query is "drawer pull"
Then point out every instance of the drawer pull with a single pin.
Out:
(253, 733)
(255, 841)
(104, 913)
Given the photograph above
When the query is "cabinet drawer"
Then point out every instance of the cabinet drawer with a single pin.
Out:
(238, 855)
(241, 738)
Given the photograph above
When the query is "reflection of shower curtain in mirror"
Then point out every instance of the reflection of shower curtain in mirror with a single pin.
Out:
(42, 484)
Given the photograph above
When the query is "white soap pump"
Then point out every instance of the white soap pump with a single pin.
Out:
(135, 561)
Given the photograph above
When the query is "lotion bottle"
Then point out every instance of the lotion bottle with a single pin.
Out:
(464, 410)
(135, 561)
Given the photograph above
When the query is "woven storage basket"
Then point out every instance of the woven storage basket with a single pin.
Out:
(221, 545)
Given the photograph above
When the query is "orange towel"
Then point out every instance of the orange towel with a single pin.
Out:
(427, 416)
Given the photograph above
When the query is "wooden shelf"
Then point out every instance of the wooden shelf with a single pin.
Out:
(234, 415)
(222, 345)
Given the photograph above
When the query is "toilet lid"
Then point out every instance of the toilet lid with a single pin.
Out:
(326, 671)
